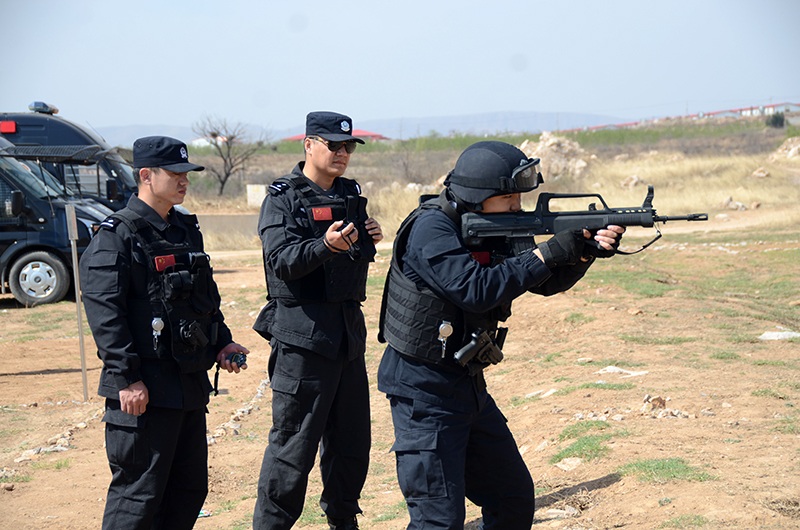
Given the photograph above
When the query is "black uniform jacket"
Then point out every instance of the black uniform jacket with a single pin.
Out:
(293, 251)
(112, 268)
(437, 257)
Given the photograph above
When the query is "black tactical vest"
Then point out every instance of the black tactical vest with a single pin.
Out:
(411, 315)
(342, 278)
(181, 297)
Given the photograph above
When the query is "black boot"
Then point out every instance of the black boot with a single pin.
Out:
(343, 523)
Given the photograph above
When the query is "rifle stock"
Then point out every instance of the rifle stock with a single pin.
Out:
(520, 228)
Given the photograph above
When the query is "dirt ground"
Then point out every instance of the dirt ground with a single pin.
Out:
(693, 383)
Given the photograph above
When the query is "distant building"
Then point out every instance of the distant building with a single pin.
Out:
(207, 142)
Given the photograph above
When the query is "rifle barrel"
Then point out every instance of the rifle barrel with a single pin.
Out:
(690, 217)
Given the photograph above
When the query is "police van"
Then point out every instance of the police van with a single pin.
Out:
(35, 249)
(109, 180)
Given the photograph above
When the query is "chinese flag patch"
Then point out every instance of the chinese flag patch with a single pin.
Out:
(322, 214)
(484, 258)
(163, 262)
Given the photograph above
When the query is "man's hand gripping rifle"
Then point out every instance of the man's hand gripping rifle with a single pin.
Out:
(520, 228)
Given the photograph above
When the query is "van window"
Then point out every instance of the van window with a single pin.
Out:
(5, 199)
(30, 183)
(88, 179)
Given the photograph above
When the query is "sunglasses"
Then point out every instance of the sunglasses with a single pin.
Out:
(349, 145)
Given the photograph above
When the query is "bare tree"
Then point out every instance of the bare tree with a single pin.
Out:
(231, 143)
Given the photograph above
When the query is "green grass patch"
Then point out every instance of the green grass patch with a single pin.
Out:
(16, 478)
(677, 131)
(725, 356)
(656, 341)
(601, 386)
(551, 357)
(312, 513)
(579, 318)
(392, 512)
(769, 393)
(619, 363)
(662, 470)
(685, 521)
(586, 448)
(741, 338)
(58, 465)
(779, 364)
(788, 425)
(647, 284)
(579, 429)
(517, 401)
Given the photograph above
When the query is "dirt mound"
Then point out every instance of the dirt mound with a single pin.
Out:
(561, 157)
(788, 149)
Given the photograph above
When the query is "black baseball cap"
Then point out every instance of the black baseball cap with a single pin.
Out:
(163, 152)
(331, 126)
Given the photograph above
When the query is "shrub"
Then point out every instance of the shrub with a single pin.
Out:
(776, 120)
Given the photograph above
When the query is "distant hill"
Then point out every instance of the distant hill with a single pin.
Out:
(400, 128)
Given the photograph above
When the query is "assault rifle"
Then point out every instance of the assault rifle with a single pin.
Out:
(519, 228)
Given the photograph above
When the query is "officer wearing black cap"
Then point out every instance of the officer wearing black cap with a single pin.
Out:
(318, 242)
(440, 313)
(154, 310)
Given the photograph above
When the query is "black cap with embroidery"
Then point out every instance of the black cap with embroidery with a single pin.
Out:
(331, 126)
(163, 152)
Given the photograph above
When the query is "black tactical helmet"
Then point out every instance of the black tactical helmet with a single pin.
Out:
(490, 168)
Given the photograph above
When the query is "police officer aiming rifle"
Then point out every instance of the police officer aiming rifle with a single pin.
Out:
(442, 305)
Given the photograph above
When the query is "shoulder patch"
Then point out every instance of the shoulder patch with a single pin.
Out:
(111, 223)
(351, 185)
(276, 188)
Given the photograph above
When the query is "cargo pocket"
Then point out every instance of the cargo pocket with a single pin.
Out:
(126, 443)
(419, 468)
(103, 272)
(286, 409)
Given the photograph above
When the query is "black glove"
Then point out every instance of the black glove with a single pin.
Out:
(592, 249)
(564, 248)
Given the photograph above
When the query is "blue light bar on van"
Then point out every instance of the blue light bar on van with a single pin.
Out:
(42, 108)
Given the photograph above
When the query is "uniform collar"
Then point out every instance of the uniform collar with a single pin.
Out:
(149, 214)
(332, 191)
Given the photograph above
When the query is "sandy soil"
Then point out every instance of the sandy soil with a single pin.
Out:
(721, 400)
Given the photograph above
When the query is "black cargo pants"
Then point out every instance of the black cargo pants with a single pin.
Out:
(316, 403)
(446, 454)
(159, 470)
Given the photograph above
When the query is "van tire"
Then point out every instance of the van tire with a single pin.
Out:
(39, 278)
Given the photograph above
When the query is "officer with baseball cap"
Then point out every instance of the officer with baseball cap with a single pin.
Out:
(331, 126)
(442, 306)
(318, 242)
(154, 310)
(163, 152)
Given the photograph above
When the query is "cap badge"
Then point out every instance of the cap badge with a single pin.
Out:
(345, 126)
(184, 154)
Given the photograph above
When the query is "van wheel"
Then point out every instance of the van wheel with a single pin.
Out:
(39, 278)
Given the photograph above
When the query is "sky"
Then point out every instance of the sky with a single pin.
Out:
(269, 62)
